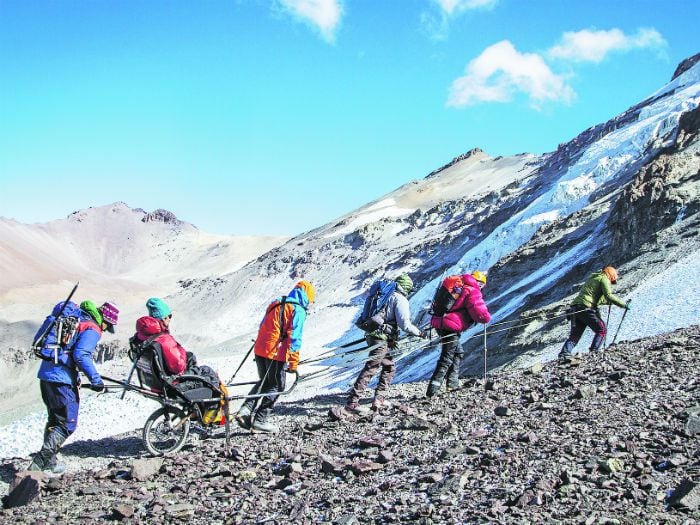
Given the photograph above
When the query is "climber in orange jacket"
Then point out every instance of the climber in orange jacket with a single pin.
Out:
(276, 352)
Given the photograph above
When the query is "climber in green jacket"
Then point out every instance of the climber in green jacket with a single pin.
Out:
(596, 290)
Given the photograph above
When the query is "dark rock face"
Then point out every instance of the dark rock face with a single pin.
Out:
(685, 65)
(161, 215)
(620, 455)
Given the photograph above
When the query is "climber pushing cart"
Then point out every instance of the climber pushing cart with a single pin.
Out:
(187, 401)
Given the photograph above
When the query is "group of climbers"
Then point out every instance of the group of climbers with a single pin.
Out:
(457, 306)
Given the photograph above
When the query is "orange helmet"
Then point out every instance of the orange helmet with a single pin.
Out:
(611, 273)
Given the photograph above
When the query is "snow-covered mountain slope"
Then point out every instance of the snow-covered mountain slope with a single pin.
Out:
(625, 192)
(539, 224)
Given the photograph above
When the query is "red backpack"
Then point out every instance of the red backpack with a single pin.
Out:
(447, 293)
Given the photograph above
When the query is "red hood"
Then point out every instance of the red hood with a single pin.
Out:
(148, 326)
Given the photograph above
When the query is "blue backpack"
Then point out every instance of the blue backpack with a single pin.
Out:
(58, 332)
(373, 316)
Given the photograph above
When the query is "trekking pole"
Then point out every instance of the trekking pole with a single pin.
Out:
(620, 325)
(484, 356)
(239, 366)
(607, 322)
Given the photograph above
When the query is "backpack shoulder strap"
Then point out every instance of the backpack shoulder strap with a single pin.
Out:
(280, 304)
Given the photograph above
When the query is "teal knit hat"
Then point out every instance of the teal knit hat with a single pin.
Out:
(405, 283)
(157, 308)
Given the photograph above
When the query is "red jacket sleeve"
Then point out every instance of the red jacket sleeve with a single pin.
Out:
(174, 355)
(476, 305)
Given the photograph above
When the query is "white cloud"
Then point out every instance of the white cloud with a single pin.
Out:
(589, 45)
(501, 71)
(437, 24)
(451, 7)
(324, 15)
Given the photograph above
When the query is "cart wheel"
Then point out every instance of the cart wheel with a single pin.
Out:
(166, 431)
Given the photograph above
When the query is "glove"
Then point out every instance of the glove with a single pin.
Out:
(628, 306)
(291, 368)
(97, 387)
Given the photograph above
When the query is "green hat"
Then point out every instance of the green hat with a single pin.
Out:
(89, 307)
(405, 283)
(157, 308)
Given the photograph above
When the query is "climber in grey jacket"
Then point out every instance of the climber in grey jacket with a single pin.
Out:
(398, 317)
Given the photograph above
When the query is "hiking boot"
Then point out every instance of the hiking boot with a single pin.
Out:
(357, 409)
(452, 388)
(379, 404)
(243, 418)
(565, 356)
(37, 466)
(264, 425)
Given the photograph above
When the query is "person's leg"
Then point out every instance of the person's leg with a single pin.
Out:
(577, 328)
(247, 408)
(595, 322)
(62, 403)
(385, 377)
(449, 345)
(453, 372)
(274, 383)
(372, 366)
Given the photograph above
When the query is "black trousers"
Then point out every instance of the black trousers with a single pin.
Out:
(272, 381)
(448, 363)
(588, 318)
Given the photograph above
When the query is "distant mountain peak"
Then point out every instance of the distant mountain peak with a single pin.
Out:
(685, 65)
(471, 153)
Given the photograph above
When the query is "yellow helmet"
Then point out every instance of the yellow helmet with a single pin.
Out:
(479, 276)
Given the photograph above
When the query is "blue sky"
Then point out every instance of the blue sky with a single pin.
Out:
(277, 116)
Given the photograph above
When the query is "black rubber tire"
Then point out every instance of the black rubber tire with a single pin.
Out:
(160, 437)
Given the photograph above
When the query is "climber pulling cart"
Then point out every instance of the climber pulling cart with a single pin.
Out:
(187, 401)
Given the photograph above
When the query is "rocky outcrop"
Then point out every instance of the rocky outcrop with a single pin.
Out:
(664, 191)
(161, 215)
(471, 153)
(598, 439)
(685, 65)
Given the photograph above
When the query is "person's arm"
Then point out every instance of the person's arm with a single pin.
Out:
(174, 355)
(610, 297)
(402, 313)
(476, 306)
(82, 355)
(298, 320)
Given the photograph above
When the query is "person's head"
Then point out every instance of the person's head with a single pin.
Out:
(110, 316)
(91, 308)
(309, 290)
(404, 283)
(158, 309)
(480, 278)
(611, 274)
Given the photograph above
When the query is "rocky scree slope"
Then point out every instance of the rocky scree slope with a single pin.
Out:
(610, 438)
